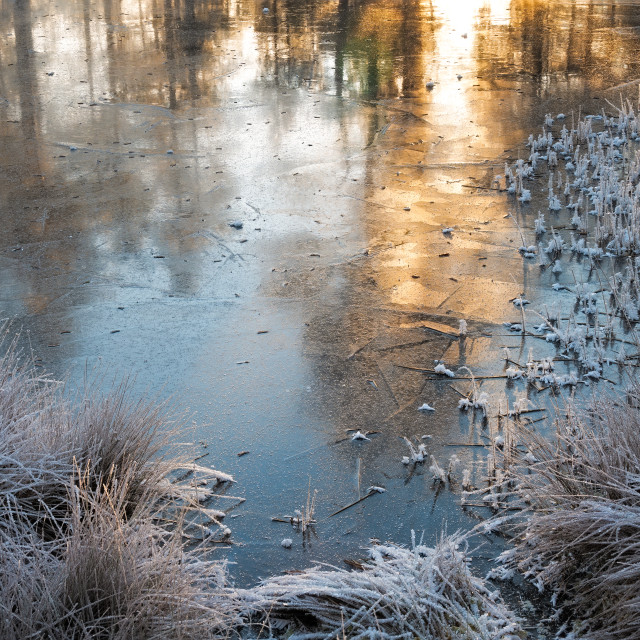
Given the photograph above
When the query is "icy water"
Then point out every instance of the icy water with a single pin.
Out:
(342, 138)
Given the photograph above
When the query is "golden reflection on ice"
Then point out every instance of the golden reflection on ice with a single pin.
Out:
(332, 91)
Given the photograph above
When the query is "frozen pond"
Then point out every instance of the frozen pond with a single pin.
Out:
(340, 138)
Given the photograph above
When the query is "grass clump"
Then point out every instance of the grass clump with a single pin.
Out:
(92, 541)
(581, 536)
(111, 576)
(421, 592)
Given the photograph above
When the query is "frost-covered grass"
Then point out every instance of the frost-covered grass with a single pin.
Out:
(93, 521)
(48, 438)
(398, 592)
(584, 182)
(113, 574)
(593, 172)
(580, 492)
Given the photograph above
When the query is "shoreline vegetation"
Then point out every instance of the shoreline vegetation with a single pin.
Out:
(97, 512)
(108, 531)
(577, 534)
